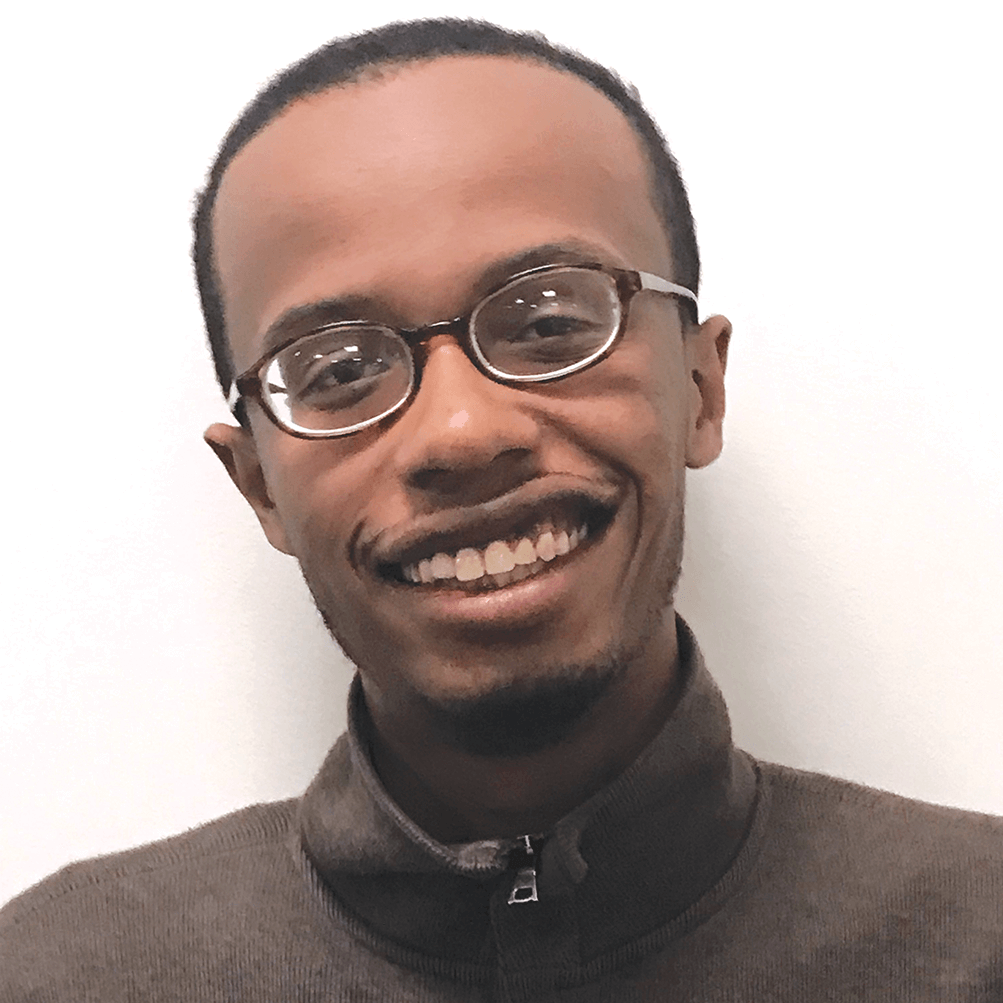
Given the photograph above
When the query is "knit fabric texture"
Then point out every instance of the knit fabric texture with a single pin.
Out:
(697, 876)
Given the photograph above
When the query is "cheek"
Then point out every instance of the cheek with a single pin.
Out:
(312, 497)
(663, 399)
(635, 403)
(648, 414)
(325, 493)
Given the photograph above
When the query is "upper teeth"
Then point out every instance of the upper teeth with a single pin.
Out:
(500, 557)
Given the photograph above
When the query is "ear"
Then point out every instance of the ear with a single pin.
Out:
(706, 358)
(237, 451)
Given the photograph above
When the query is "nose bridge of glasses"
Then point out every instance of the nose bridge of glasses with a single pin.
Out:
(419, 340)
(420, 337)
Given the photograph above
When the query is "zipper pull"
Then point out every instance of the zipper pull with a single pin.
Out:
(524, 886)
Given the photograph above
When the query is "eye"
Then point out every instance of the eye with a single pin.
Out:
(334, 372)
(336, 369)
(547, 322)
(553, 325)
(336, 379)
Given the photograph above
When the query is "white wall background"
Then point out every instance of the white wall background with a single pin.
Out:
(845, 568)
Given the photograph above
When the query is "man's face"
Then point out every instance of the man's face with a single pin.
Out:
(408, 197)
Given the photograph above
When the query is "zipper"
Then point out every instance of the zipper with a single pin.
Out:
(523, 858)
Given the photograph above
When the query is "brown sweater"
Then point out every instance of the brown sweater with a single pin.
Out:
(698, 876)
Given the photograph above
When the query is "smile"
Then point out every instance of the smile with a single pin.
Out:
(501, 562)
(507, 539)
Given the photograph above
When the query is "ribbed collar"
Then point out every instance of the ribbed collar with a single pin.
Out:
(624, 864)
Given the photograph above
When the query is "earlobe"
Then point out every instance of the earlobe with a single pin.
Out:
(706, 358)
(237, 451)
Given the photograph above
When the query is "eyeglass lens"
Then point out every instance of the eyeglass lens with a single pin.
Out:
(350, 375)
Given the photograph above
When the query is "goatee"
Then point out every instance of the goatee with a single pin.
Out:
(525, 716)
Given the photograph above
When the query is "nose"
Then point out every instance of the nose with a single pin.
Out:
(465, 438)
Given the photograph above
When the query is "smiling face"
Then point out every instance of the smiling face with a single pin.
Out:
(486, 534)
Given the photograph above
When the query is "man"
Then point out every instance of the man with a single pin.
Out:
(449, 278)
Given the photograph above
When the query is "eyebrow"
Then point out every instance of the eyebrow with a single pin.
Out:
(299, 320)
(568, 252)
(303, 319)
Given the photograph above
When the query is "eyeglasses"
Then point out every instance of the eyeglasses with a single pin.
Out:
(541, 325)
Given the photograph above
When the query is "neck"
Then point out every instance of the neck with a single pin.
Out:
(458, 796)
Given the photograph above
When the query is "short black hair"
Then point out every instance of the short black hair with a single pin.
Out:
(345, 60)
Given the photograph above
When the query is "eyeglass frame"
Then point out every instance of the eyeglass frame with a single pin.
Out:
(248, 385)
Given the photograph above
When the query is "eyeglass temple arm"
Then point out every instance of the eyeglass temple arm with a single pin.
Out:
(233, 397)
(237, 392)
(660, 285)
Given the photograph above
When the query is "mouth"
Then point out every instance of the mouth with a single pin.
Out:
(508, 548)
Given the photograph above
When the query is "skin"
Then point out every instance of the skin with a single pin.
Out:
(411, 191)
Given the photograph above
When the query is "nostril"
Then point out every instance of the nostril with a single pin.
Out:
(427, 477)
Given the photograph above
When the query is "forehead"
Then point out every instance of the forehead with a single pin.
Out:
(418, 178)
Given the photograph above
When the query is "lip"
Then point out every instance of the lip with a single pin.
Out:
(505, 517)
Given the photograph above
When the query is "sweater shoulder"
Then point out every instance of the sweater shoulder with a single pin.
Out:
(877, 886)
(880, 807)
(237, 833)
(852, 822)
